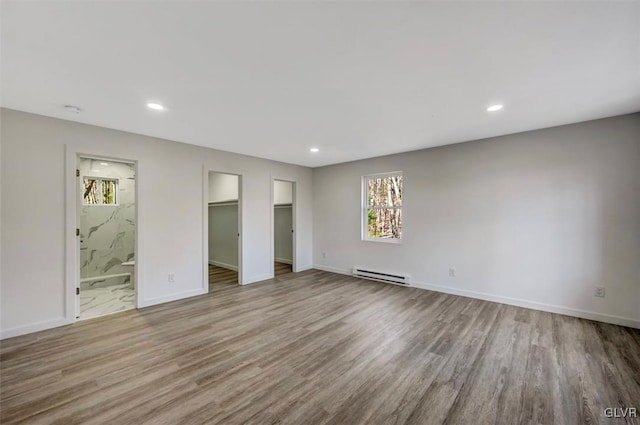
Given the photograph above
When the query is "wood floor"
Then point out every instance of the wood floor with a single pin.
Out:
(226, 276)
(281, 268)
(320, 348)
(221, 275)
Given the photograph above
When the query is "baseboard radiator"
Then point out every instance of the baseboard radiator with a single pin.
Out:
(398, 279)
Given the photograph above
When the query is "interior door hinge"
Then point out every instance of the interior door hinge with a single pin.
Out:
(77, 232)
(77, 173)
(77, 291)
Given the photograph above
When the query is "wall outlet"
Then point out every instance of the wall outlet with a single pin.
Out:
(171, 277)
(452, 272)
(598, 291)
(324, 255)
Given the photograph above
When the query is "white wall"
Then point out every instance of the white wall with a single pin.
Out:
(223, 187)
(282, 192)
(172, 181)
(535, 219)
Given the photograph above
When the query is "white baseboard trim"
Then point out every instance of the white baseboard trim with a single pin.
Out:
(303, 269)
(559, 309)
(283, 260)
(172, 297)
(333, 269)
(256, 279)
(568, 311)
(223, 265)
(36, 327)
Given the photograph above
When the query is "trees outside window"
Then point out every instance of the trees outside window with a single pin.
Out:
(382, 207)
(99, 191)
(91, 195)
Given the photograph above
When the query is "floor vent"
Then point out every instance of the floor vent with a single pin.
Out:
(400, 279)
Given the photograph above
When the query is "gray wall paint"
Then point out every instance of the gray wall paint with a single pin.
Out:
(282, 192)
(171, 214)
(538, 218)
(223, 235)
(223, 220)
(223, 187)
(282, 226)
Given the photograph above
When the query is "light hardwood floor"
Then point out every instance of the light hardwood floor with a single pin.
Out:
(222, 275)
(281, 268)
(321, 348)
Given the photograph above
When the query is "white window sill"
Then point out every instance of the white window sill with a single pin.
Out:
(383, 240)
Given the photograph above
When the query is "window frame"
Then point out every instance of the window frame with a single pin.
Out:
(100, 200)
(364, 210)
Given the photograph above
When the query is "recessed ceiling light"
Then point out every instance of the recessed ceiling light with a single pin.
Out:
(494, 108)
(103, 163)
(96, 171)
(155, 106)
(314, 150)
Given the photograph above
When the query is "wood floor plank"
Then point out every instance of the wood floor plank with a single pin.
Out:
(222, 275)
(320, 348)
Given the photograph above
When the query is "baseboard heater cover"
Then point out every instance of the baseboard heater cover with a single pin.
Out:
(398, 279)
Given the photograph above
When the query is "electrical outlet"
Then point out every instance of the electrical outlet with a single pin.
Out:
(599, 291)
(324, 255)
(172, 277)
(452, 272)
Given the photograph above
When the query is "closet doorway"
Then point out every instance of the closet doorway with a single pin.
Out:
(224, 214)
(283, 227)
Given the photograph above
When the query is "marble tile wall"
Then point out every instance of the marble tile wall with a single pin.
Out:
(107, 232)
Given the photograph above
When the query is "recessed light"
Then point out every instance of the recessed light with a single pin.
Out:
(314, 150)
(155, 106)
(494, 108)
(95, 171)
(103, 163)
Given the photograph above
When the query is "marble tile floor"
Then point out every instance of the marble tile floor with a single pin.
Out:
(103, 300)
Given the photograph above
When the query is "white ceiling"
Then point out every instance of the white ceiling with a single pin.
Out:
(355, 79)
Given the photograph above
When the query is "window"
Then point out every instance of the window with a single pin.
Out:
(382, 207)
(100, 191)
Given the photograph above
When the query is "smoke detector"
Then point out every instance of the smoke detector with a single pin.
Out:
(72, 109)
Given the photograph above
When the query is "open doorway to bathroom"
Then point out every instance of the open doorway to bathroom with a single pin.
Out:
(107, 233)
(224, 211)
(283, 227)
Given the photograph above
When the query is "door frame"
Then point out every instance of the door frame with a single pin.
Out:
(205, 224)
(73, 210)
(294, 224)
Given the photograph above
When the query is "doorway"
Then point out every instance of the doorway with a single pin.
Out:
(283, 227)
(107, 237)
(224, 211)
